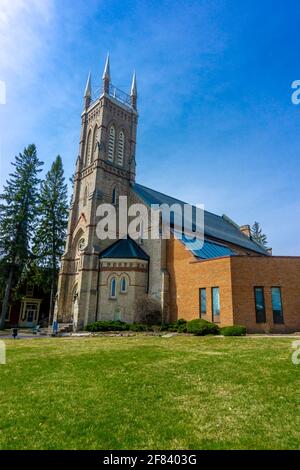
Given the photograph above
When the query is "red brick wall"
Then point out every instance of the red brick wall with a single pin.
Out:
(187, 276)
(268, 272)
(236, 277)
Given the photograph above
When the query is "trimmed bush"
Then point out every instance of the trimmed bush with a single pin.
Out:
(138, 327)
(181, 325)
(122, 326)
(182, 328)
(165, 327)
(107, 326)
(235, 330)
(201, 327)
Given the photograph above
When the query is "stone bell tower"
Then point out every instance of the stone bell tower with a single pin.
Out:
(105, 168)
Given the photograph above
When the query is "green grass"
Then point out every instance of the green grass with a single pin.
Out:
(150, 393)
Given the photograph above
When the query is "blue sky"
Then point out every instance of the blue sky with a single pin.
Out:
(216, 126)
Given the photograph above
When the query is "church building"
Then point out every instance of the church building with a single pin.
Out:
(229, 279)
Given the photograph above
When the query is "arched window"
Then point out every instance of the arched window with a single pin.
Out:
(113, 288)
(111, 144)
(123, 285)
(93, 152)
(88, 149)
(85, 197)
(114, 196)
(121, 147)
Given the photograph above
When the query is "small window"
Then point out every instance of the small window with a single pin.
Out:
(114, 197)
(111, 144)
(277, 305)
(121, 146)
(113, 288)
(260, 309)
(123, 285)
(202, 300)
(215, 304)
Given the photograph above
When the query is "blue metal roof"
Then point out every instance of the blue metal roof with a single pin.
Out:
(215, 226)
(205, 249)
(124, 248)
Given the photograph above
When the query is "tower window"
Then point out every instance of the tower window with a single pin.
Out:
(113, 288)
(93, 150)
(111, 144)
(114, 197)
(121, 146)
(89, 149)
(123, 285)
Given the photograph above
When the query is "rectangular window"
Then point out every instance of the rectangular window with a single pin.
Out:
(215, 304)
(31, 312)
(260, 308)
(277, 305)
(202, 300)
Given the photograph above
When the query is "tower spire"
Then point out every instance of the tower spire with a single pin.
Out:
(106, 75)
(88, 92)
(133, 91)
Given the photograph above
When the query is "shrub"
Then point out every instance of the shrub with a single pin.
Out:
(201, 327)
(235, 330)
(181, 325)
(137, 327)
(165, 327)
(182, 328)
(107, 326)
(148, 311)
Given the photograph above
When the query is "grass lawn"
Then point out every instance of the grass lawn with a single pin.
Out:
(150, 393)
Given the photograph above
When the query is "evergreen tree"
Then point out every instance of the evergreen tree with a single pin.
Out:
(18, 206)
(258, 235)
(51, 230)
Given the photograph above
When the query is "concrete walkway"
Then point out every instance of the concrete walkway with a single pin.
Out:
(27, 334)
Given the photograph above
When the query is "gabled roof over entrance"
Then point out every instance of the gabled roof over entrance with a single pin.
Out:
(124, 248)
(215, 226)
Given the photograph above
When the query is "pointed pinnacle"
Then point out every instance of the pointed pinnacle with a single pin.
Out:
(133, 91)
(88, 88)
(106, 72)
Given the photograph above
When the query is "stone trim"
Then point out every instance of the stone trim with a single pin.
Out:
(123, 269)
